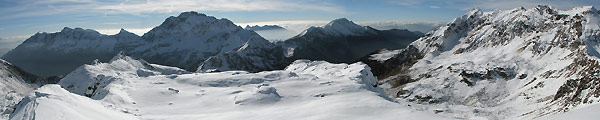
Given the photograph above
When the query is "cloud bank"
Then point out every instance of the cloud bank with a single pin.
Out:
(493, 4)
(27, 8)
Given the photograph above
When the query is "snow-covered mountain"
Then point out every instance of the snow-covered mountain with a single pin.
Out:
(503, 64)
(191, 38)
(185, 41)
(48, 54)
(126, 88)
(14, 85)
(342, 40)
(264, 27)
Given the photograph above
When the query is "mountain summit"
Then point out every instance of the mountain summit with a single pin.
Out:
(345, 27)
(339, 27)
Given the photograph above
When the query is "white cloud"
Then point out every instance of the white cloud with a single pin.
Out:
(28, 8)
(301, 25)
(17, 38)
(10, 42)
(493, 4)
(168, 6)
(420, 26)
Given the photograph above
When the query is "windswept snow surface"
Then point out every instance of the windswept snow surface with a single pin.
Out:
(304, 90)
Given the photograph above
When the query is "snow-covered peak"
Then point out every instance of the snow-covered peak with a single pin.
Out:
(124, 32)
(339, 27)
(264, 27)
(345, 27)
(342, 22)
(195, 14)
(193, 22)
(581, 10)
(473, 12)
(78, 30)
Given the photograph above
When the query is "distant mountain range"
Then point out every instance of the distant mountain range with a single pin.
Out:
(196, 42)
(535, 63)
(343, 41)
(264, 27)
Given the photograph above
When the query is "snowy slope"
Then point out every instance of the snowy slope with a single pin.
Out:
(584, 113)
(344, 41)
(304, 90)
(51, 102)
(510, 64)
(14, 85)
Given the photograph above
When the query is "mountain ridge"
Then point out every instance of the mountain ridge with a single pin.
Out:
(504, 64)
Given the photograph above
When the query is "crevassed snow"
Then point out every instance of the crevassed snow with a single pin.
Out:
(304, 90)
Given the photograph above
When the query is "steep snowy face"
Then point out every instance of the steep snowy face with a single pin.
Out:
(343, 41)
(519, 63)
(254, 56)
(59, 53)
(190, 38)
(126, 87)
(14, 85)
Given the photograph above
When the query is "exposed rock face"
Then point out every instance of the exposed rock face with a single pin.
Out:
(512, 64)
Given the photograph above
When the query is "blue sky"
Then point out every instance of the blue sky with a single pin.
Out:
(20, 19)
